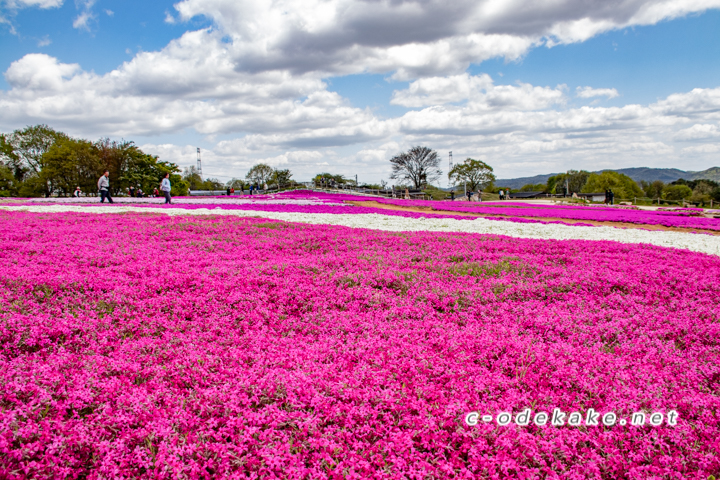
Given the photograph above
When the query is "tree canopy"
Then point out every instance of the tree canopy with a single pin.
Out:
(37, 160)
(476, 173)
(260, 174)
(621, 185)
(419, 166)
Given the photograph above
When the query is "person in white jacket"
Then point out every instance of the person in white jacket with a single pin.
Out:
(165, 188)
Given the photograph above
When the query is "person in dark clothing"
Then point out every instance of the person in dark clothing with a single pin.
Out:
(452, 195)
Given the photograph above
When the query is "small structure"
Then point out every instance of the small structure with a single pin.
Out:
(593, 197)
(526, 194)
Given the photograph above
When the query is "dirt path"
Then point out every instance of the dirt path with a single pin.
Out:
(432, 211)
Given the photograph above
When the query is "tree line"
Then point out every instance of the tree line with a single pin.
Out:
(39, 161)
(694, 191)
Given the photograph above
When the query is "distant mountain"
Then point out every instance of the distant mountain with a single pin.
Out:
(638, 174)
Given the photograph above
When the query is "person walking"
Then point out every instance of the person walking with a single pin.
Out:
(165, 187)
(479, 195)
(131, 191)
(468, 194)
(104, 187)
(501, 195)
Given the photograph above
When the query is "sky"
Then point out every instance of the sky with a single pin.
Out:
(341, 86)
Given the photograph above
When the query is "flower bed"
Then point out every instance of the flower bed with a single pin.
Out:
(399, 221)
(175, 346)
(674, 218)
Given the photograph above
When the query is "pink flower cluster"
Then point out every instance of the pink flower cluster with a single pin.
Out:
(146, 345)
(674, 218)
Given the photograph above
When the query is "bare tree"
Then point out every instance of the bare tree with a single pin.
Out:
(419, 165)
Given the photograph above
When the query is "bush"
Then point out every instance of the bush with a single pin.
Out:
(676, 192)
(621, 185)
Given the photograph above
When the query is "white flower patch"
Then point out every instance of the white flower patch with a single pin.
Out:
(187, 201)
(552, 231)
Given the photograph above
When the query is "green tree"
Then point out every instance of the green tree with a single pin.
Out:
(653, 189)
(281, 178)
(476, 173)
(621, 185)
(71, 163)
(28, 147)
(329, 179)
(8, 183)
(192, 177)
(538, 187)
(419, 165)
(260, 174)
(676, 192)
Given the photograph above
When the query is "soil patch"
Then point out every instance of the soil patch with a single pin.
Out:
(433, 211)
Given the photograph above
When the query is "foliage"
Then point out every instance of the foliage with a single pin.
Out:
(654, 189)
(676, 192)
(329, 179)
(260, 174)
(620, 184)
(46, 162)
(281, 178)
(70, 163)
(8, 183)
(476, 173)
(574, 180)
(537, 187)
(236, 183)
(435, 193)
(419, 166)
(194, 181)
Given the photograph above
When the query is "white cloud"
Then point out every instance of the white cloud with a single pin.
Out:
(18, 4)
(700, 131)
(82, 21)
(44, 42)
(414, 38)
(259, 74)
(109, 12)
(589, 92)
(479, 92)
(702, 149)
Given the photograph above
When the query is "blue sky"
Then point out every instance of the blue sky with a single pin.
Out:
(321, 86)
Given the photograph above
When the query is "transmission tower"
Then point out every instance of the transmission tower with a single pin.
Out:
(450, 162)
(199, 163)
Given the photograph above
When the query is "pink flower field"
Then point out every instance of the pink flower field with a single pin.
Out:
(676, 217)
(145, 345)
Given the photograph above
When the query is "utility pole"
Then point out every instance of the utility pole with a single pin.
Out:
(450, 163)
